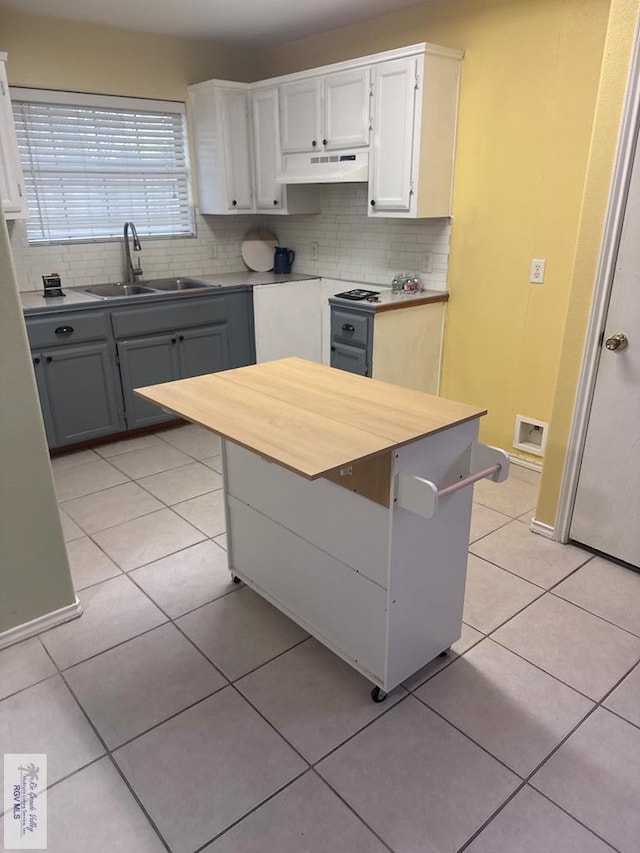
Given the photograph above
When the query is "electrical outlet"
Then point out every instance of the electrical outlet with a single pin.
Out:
(536, 274)
(427, 262)
(214, 251)
(315, 251)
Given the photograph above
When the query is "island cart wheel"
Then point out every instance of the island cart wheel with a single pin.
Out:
(235, 579)
(378, 695)
(444, 653)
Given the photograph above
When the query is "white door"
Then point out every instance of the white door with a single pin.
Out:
(300, 116)
(606, 514)
(237, 149)
(11, 182)
(346, 109)
(392, 138)
(269, 194)
(287, 320)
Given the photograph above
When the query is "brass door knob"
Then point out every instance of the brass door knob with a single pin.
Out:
(617, 342)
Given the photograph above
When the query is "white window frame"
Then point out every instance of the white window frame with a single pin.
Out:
(89, 100)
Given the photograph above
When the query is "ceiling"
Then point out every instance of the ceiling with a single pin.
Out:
(250, 22)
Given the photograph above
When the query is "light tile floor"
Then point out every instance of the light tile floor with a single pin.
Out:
(183, 713)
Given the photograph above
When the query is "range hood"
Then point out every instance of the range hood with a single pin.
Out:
(330, 167)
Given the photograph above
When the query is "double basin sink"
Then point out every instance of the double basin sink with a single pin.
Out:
(116, 290)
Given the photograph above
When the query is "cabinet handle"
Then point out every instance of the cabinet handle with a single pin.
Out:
(347, 327)
(181, 337)
(333, 349)
(234, 202)
(36, 361)
(174, 340)
(64, 330)
(275, 201)
(324, 141)
(49, 359)
(314, 143)
(372, 203)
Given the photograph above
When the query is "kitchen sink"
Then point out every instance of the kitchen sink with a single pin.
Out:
(172, 284)
(117, 289)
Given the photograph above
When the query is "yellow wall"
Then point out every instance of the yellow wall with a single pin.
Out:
(59, 54)
(530, 79)
(619, 45)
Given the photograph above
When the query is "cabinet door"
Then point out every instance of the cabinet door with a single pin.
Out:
(352, 359)
(237, 149)
(300, 116)
(390, 172)
(81, 392)
(203, 350)
(346, 109)
(41, 385)
(266, 145)
(146, 361)
(11, 180)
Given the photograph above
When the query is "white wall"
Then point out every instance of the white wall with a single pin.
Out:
(351, 247)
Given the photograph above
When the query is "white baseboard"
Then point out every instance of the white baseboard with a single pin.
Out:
(525, 463)
(42, 623)
(541, 528)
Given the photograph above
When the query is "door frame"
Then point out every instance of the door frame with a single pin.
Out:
(627, 141)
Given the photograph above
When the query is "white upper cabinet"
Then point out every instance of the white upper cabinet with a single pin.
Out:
(301, 116)
(11, 181)
(268, 194)
(400, 107)
(345, 109)
(328, 112)
(413, 141)
(237, 148)
(394, 88)
(222, 143)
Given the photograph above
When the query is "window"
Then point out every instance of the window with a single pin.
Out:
(92, 162)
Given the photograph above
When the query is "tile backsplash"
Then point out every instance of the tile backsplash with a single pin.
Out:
(350, 246)
(353, 247)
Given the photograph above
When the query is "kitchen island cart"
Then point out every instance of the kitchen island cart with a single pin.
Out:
(348, 504)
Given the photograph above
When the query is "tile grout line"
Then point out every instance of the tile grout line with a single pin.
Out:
(108, 754)
(521, 577)
(596, 615)
(350, 807)
(527, 780)
(402, 698)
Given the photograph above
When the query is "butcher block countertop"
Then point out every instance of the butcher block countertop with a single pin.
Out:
(310, 418)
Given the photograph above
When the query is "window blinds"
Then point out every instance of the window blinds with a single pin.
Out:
(91, 163)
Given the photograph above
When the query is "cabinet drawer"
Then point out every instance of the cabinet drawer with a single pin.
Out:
(67, 328)
(350, 328)
(148, 319)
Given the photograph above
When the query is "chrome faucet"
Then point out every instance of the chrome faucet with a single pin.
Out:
(132, 272)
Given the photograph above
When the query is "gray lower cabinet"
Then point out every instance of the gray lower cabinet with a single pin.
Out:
(78, 392)
(162, 358)
(353, 359)
(146, 361)
(87, 362)
(351, 340)
(203, 350)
